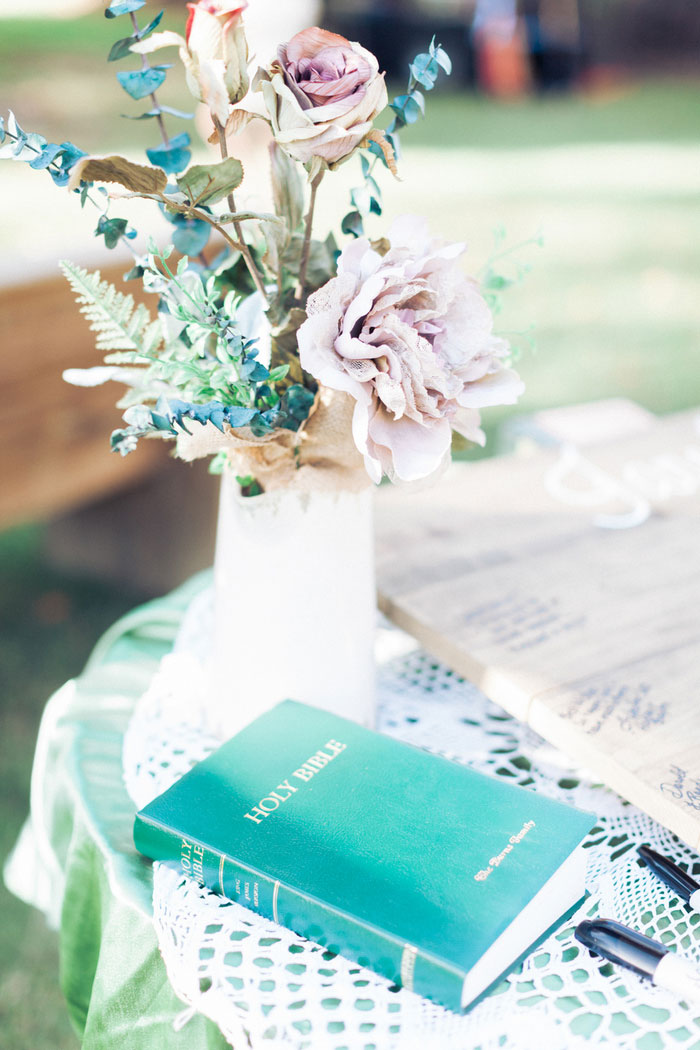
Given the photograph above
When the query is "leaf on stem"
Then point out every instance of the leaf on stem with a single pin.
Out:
(352, 224)
(173, 157)
(121, 48)
(209, 183)
(142, 82)
(139, 178)
(113, 230)
(190, 236)
(287, 187)
(123, 7)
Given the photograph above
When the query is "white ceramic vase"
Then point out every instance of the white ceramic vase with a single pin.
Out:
(295, 604)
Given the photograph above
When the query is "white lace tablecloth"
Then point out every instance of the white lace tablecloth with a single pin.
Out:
(267, 988)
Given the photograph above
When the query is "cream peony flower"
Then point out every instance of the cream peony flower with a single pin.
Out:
(410, 338)
(321, 95)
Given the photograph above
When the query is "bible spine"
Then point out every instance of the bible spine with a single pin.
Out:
(337, 931)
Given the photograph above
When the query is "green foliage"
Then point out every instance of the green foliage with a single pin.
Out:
(190, 236)
(423, 70)
(209, 183)
(172, 157)
(122, 48)
(194, 362)
(408, 109)
(123, 7)
(494, 279)
(249, 486)
(111, 314)
(169, 417)
(113, 230)
(287, 188)
(142, 82)
(33, 149)
(152, 114)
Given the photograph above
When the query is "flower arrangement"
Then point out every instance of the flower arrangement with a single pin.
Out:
(295, 356)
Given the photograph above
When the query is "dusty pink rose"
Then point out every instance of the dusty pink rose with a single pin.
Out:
(216, 54)
(410, 337)
(321, 95)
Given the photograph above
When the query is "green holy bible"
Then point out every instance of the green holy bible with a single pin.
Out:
(434, 876)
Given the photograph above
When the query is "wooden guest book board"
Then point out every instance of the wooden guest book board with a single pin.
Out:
(520, 574)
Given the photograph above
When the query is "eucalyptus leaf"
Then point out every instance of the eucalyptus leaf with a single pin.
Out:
(209, 183)
(443, 59)
(151, 27)
(254, 371)
(123, 7)
(121, 48)
(142, 82)
(424, 70)
(150, 114)
(409, 108)
(177, 113)
(46, 157)
(113, 230)
(191, 235)
(352, 224)
(361, 198)
(173, 157)
(298, 401)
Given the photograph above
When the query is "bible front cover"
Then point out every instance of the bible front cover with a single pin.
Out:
(433, 875)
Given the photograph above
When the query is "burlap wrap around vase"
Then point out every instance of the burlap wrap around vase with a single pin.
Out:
(295, 603)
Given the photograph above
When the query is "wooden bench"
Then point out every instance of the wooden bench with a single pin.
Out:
(143, 518)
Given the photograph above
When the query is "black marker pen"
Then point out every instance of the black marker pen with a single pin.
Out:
(683, 884)
(646, 957)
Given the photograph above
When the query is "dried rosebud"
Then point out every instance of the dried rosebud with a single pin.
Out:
(216, 55)
(321, 95)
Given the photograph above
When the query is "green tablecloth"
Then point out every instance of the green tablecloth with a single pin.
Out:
(75, 859)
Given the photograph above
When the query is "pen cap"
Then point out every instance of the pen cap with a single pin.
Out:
(678, 880)
(619, 944)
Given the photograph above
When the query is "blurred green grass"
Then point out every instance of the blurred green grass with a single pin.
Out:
(610, 177)
(48, 624)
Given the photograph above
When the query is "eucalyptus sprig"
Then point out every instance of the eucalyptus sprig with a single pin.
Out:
(173, 154)
(494, 277)
(60, 161)
(408, 108)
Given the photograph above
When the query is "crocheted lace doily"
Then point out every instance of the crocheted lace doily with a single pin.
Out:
(267, 988)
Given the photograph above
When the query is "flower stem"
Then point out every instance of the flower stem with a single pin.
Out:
(306, 247)
(244, 249)
(145, 64)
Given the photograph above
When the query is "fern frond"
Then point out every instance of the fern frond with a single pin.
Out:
(112, 315)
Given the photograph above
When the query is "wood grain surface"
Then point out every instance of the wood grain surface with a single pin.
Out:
(520, 574)
(55, 437)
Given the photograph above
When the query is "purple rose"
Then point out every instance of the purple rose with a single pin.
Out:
(321, 95)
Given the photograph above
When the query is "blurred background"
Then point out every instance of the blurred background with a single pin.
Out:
(573, 122)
